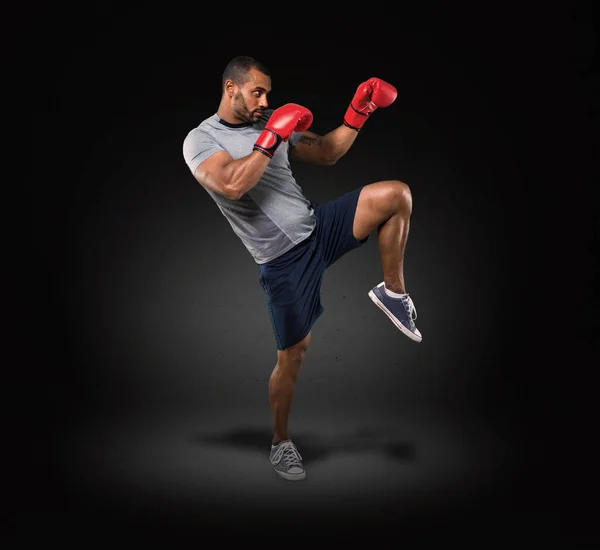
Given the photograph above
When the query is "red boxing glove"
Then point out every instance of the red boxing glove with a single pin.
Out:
(369, 96)
(285, 120)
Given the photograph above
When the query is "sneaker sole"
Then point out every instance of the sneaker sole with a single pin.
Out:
(291, 477)
(398, 324)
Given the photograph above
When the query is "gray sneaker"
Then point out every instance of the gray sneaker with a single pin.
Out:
(287, 461)
(401, 311)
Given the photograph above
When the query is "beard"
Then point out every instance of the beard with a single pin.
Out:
(241, 111)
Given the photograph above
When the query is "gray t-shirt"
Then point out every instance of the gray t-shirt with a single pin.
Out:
(273, 216)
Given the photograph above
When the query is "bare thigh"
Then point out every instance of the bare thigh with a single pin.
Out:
(377, 203)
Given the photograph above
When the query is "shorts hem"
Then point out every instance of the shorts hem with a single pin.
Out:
(283, 347)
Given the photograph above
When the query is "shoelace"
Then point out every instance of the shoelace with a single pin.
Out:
(412, 310)
(288, 454)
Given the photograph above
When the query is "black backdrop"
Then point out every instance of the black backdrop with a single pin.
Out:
(135, 270)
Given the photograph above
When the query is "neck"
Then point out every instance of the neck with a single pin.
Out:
(224, 113)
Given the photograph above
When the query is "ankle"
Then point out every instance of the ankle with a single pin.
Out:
(395, 291)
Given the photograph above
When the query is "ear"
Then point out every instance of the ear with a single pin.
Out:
(229, 88)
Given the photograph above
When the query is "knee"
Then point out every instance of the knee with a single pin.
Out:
(400, 196)
(289, 364)
(292, 358)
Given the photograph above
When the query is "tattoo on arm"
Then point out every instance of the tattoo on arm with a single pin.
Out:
(318, 141)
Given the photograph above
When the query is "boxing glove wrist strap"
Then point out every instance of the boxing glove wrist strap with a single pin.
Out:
(354, 119)
(351, 127)
(267, 143)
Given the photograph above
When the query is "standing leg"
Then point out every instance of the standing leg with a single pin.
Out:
(285, 458)
(282, 385)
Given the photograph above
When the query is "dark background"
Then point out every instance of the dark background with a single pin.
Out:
(146, 306)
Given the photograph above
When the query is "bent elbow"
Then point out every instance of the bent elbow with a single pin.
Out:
(231, 192)
(234, 194)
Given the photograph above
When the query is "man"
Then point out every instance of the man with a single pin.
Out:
(241, 156)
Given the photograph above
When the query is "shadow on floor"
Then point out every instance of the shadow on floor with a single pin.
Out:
(312, 447)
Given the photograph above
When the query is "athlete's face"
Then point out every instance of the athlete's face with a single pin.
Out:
(250, 99)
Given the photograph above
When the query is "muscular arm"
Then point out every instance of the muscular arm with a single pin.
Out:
(231, 178)
(324, 150)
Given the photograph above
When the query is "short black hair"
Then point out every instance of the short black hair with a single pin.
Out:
(238, 68)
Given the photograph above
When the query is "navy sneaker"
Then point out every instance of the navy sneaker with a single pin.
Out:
(401, 311)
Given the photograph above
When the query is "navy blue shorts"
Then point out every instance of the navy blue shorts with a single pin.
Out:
(292, 282)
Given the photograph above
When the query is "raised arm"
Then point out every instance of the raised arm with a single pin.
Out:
(329, 148)
(324, 150)
(233, 178)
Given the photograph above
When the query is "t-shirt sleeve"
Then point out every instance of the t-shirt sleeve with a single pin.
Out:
(197, 147)
(295, 138)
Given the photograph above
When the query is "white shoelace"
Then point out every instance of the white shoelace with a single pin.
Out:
(288, 454)
(412, 310)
